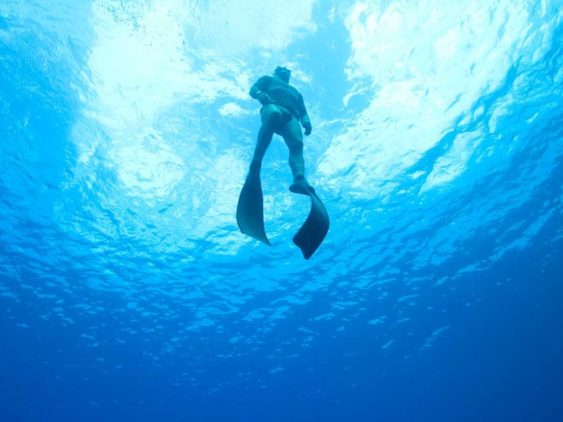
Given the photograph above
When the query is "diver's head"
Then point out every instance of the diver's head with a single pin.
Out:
(283, 73)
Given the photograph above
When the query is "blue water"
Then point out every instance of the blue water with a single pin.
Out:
(127, 291)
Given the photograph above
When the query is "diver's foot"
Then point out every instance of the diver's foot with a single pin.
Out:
(301, 186)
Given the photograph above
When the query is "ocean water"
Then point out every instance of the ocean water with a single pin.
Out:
(127, 291)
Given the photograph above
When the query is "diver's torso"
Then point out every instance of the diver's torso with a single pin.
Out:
(284, 94)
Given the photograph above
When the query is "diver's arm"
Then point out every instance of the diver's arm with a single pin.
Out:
(304, 117)
(258, 90)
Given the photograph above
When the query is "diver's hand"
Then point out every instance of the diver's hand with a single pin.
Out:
(264, 98)
(308, 128)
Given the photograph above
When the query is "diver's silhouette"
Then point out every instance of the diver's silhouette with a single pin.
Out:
(283, 110)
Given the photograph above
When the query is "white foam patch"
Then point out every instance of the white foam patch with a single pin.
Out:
(452, 164)
(424, 64)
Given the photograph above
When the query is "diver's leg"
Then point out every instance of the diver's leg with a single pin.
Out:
(293, 138)
(271, 117)
(250, 208)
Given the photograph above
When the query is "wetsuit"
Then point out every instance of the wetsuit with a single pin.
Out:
(282, 110)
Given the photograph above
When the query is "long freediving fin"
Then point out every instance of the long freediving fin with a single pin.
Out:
(250, 210)
(313, 231)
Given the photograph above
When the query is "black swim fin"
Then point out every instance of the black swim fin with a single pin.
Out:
(313, 231)
(250, 210)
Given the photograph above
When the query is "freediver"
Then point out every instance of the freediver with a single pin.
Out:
(283, 109)
(283, 112)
